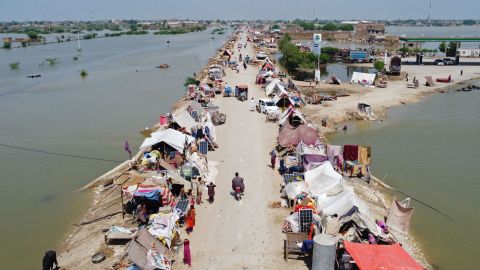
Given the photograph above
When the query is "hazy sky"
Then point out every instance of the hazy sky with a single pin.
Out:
(238, 9)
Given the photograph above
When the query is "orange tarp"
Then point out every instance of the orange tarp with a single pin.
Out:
(381, 257)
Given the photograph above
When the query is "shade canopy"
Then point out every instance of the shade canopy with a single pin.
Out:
(172, 137)
(290, 135)
(385, 257)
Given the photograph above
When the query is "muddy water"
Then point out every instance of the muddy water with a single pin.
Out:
(63, 113)
(430, 151)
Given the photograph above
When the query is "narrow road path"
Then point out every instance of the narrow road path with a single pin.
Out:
(244, 234)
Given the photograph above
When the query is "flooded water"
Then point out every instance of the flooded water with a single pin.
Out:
(63, 113)
(429, 150)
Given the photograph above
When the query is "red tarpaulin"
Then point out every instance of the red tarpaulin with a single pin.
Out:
(384, 257)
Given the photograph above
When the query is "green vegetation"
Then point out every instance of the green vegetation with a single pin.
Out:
(24, 44)
(189, 80)
(83, 73)
(327, 27)
(15, 65)
(113, 34)
(469, 22)
(379, 65)
(442, 47)
(50, 61)
(452, 49)
(90, 36)
(293, 58)
(136, 32)
(172, 31)
(7, 45)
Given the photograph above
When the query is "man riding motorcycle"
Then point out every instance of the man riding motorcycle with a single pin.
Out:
(237, 182)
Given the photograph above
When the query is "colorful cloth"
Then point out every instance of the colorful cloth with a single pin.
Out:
(187, 258)
(350, 152)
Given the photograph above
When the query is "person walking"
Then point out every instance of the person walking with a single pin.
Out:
(187, 258)
(200, 189)
(211, 192)
(273, 158)
(190, 219)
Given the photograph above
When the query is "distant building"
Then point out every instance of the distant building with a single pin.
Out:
(365, 30)
(175, 24)
(469, 53)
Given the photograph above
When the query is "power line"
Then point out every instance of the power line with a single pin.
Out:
(56, 154)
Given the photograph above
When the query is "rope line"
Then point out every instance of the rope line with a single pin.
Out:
(57, 154)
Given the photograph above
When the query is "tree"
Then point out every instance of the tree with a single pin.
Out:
(33, 35)
(469, 22)
(7, 45)
(345, 27)
(452, 49)
(442, 47)
(330, 27)
(379, 65)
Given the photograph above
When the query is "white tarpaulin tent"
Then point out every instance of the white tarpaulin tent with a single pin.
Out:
(183, 119)
(290, 112)
(174, 138)
(273, 87)
(322, 179)
(363, 78)
(295, 188)
(346, 206)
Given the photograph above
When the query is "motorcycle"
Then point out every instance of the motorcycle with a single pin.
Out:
(238, 193)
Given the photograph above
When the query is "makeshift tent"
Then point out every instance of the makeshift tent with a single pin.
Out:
(274, 87)
(228, 53)
(183, 119)
(293, 189)
(399, 217)
(387, 257)
(342, 203)
(290, 135)
(311, 162)
(363, 78)
(282, 100)
(172, 137)
(321, 179)
(294, 116)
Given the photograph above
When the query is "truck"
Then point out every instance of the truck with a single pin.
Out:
(361, 57)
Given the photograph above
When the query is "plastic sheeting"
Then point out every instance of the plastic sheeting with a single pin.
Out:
(293, 189)
(174, 138)
(399, 217)
(290, 135)
(363, 78)
(387, 257)
(321, 179)
(273, 87)
(290, 113)
(183, 119)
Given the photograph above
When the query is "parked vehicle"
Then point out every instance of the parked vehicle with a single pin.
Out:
(448, 61)
(361, 57)
(267, 106)
(439, 62)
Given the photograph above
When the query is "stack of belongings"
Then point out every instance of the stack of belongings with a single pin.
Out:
(171, 144)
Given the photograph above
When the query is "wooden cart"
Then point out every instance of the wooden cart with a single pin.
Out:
(291, 241)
